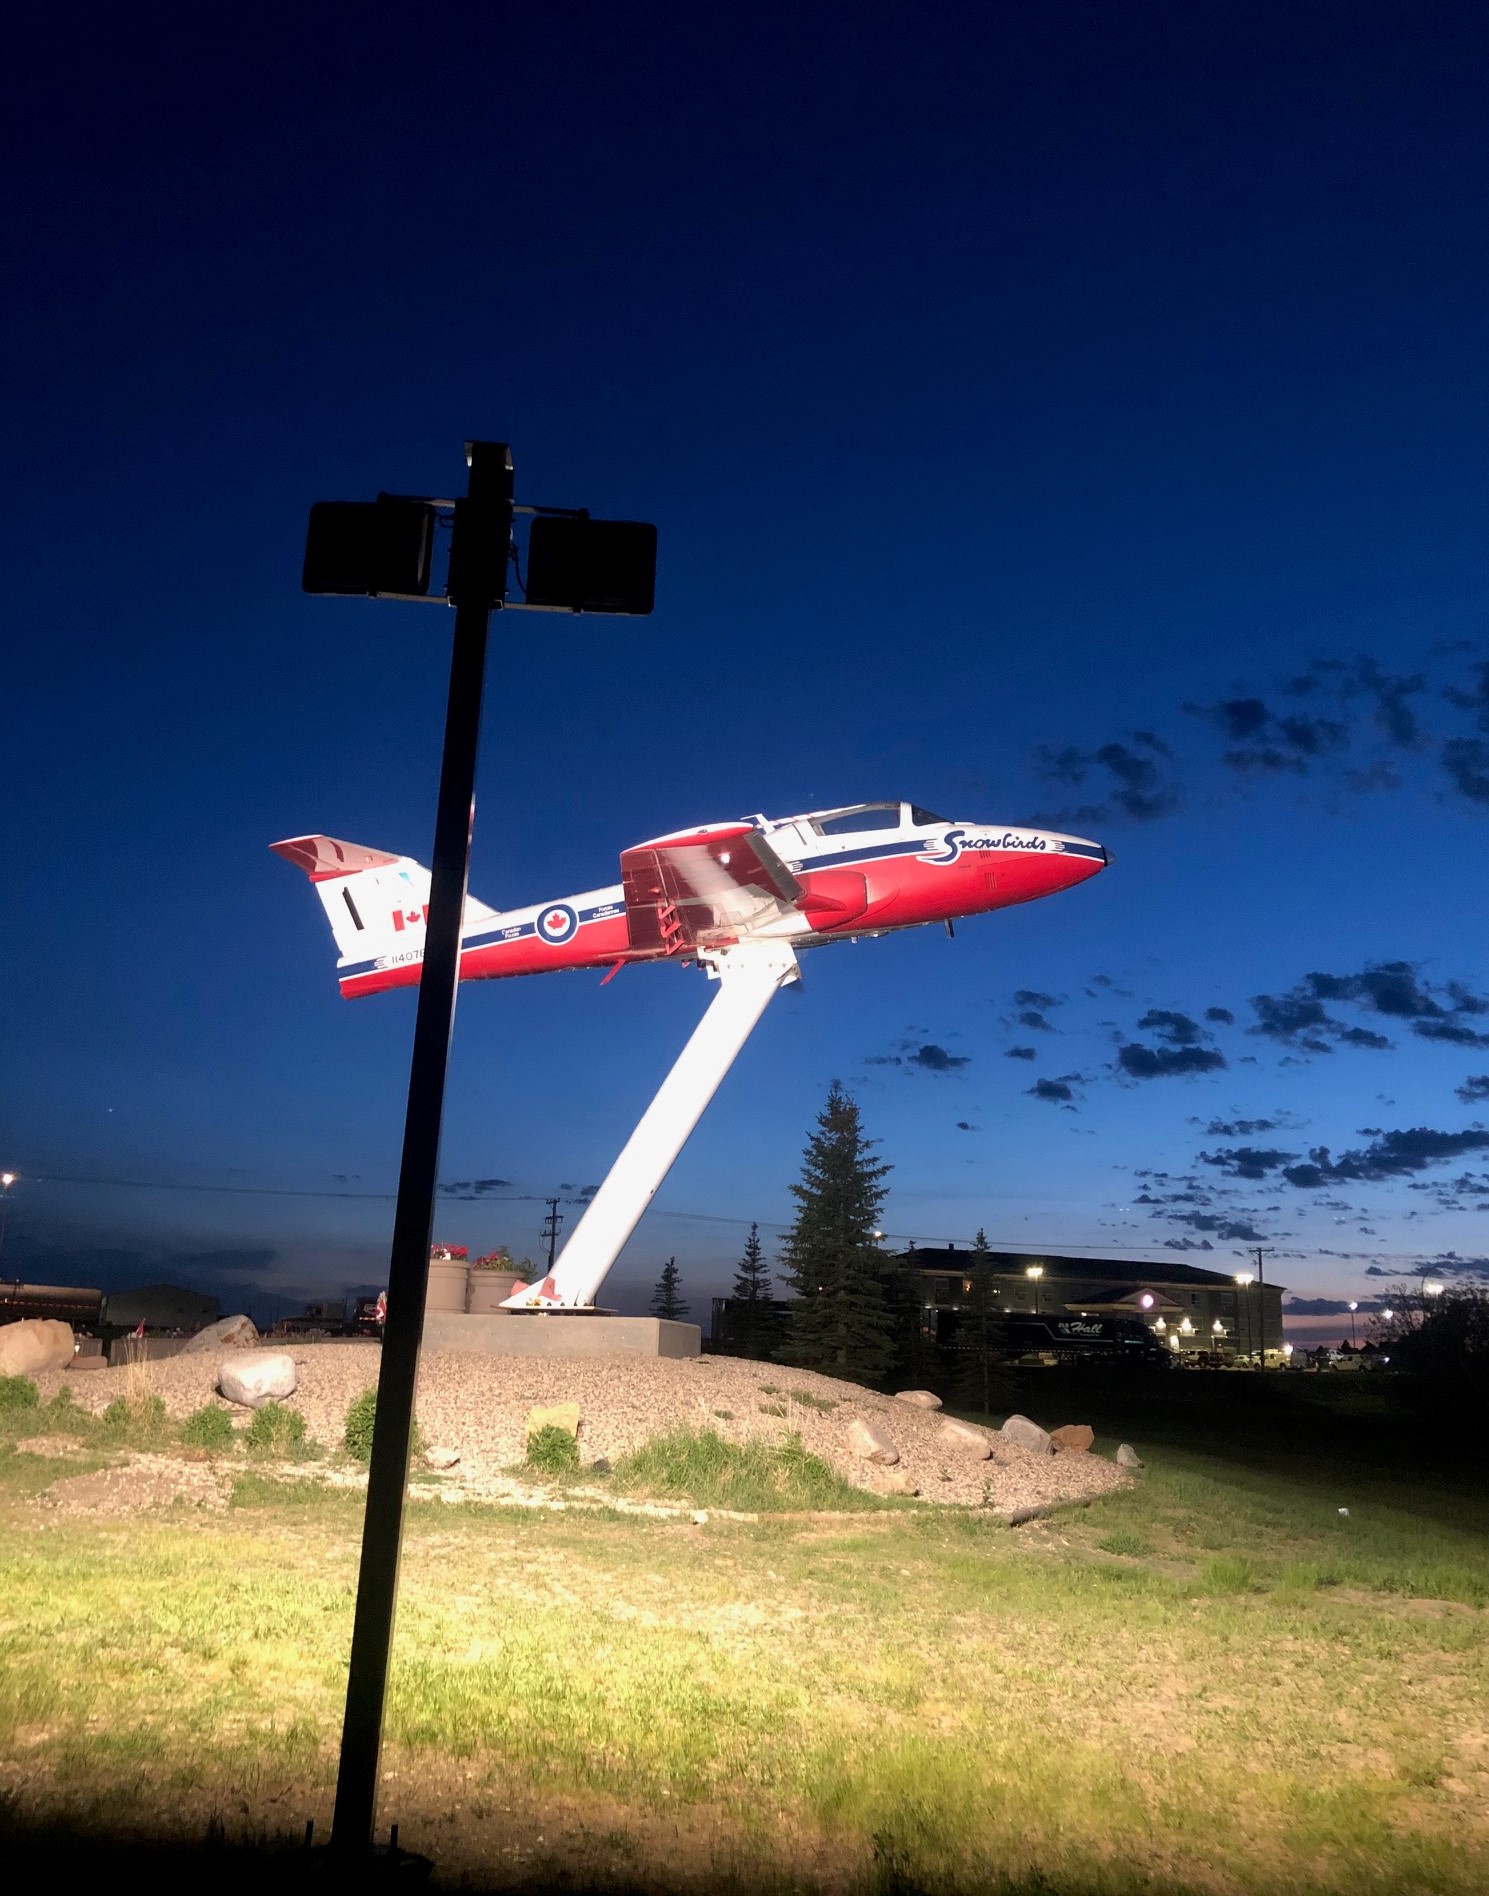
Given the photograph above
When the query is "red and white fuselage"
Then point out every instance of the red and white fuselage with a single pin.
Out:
(740, 898)
(831, 875)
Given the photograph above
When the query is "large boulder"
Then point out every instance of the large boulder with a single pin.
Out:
(34, 1344)
(558, 1415)
(1019, 1432)
(232, 1333)
(919, 1398)
(965, 1438)
(253, 1377)
(871, 1444)
(1073, 1438)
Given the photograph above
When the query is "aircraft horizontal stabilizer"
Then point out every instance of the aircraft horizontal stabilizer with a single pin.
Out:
(322, 856)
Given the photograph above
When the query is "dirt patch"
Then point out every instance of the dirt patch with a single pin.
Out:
(479, 1404)
(143, 1482)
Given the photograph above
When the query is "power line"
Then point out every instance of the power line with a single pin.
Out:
(1018, 1244)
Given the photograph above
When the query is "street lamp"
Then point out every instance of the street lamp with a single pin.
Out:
(1035, 1271)
(1244, 1280)
(1352, 1309)
(1433, 1290)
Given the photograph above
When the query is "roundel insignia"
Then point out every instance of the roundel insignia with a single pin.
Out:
(557, 924)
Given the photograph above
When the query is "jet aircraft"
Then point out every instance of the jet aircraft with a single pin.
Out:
(738, 898)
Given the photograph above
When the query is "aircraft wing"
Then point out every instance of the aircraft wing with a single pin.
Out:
(705, 889)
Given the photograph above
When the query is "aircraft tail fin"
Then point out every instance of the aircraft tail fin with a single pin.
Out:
(376, 902)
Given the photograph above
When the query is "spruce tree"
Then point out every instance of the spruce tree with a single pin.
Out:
(666, 1299)
(750, 1293)
(839, 1320)
(981, 1330)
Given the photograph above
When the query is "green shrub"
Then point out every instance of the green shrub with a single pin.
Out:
(17, 1392)
(141, 1423)
(553, 1451)
(361, 1418)
(208, 1427)
(703, 1468)
(276, 1430)
(809, 1401)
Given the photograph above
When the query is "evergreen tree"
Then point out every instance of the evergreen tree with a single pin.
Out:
(666, 1299)
(839, 1320)
(981, 1330)
(751, 1316)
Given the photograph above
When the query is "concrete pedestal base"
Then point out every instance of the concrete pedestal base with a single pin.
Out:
(542, 1333)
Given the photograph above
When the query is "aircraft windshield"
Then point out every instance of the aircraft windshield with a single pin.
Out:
(926, 819)
(868, 816)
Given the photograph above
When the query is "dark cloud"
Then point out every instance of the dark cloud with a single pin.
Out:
(1020, 1053)
(929, 1058)
(1328, 1307)
(1154, 1063)
(1174, 1029)
(1393, 989)
(1222, 1016)
(1263, 739)
(933, 1059)
(474, 1187)
(1389, 1155)
(1054, 1090)
(1031, 1017)
(1239, 1128)
(1228, 1229)
(1265, 743)
(1475, 1087)
(1031, 997)
(1466, 760)
(1476, 698)
(1247, 1161)
(965, 1125)
(1131, 779)
(1451, 1031)
(584, 1194)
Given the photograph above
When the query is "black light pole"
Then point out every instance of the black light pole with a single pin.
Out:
(479, 554)
(383, 550)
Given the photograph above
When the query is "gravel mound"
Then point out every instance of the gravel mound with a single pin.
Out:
(478, 1405)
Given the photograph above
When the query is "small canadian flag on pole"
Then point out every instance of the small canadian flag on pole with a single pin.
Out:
(140, 1327)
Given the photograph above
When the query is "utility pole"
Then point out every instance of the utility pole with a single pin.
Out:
(383, 549)
(1261, 1309)
(550, 1229)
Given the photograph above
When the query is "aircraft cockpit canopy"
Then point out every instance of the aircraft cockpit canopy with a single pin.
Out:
(858, 817)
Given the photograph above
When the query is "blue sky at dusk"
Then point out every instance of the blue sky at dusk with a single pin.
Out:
(1051, 413)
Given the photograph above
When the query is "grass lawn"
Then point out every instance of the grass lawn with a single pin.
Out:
(1214, 1682)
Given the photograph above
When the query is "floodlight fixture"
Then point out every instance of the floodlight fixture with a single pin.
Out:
(369, 549)
(575, 564)
(1354, 1305)
(1430, 1289)
(1146, 1300)
(7, 1179)
(1217, 1327)
(1243, 1278)
(1388, 1314)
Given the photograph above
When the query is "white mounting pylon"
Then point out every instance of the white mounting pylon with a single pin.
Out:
(749, 975)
